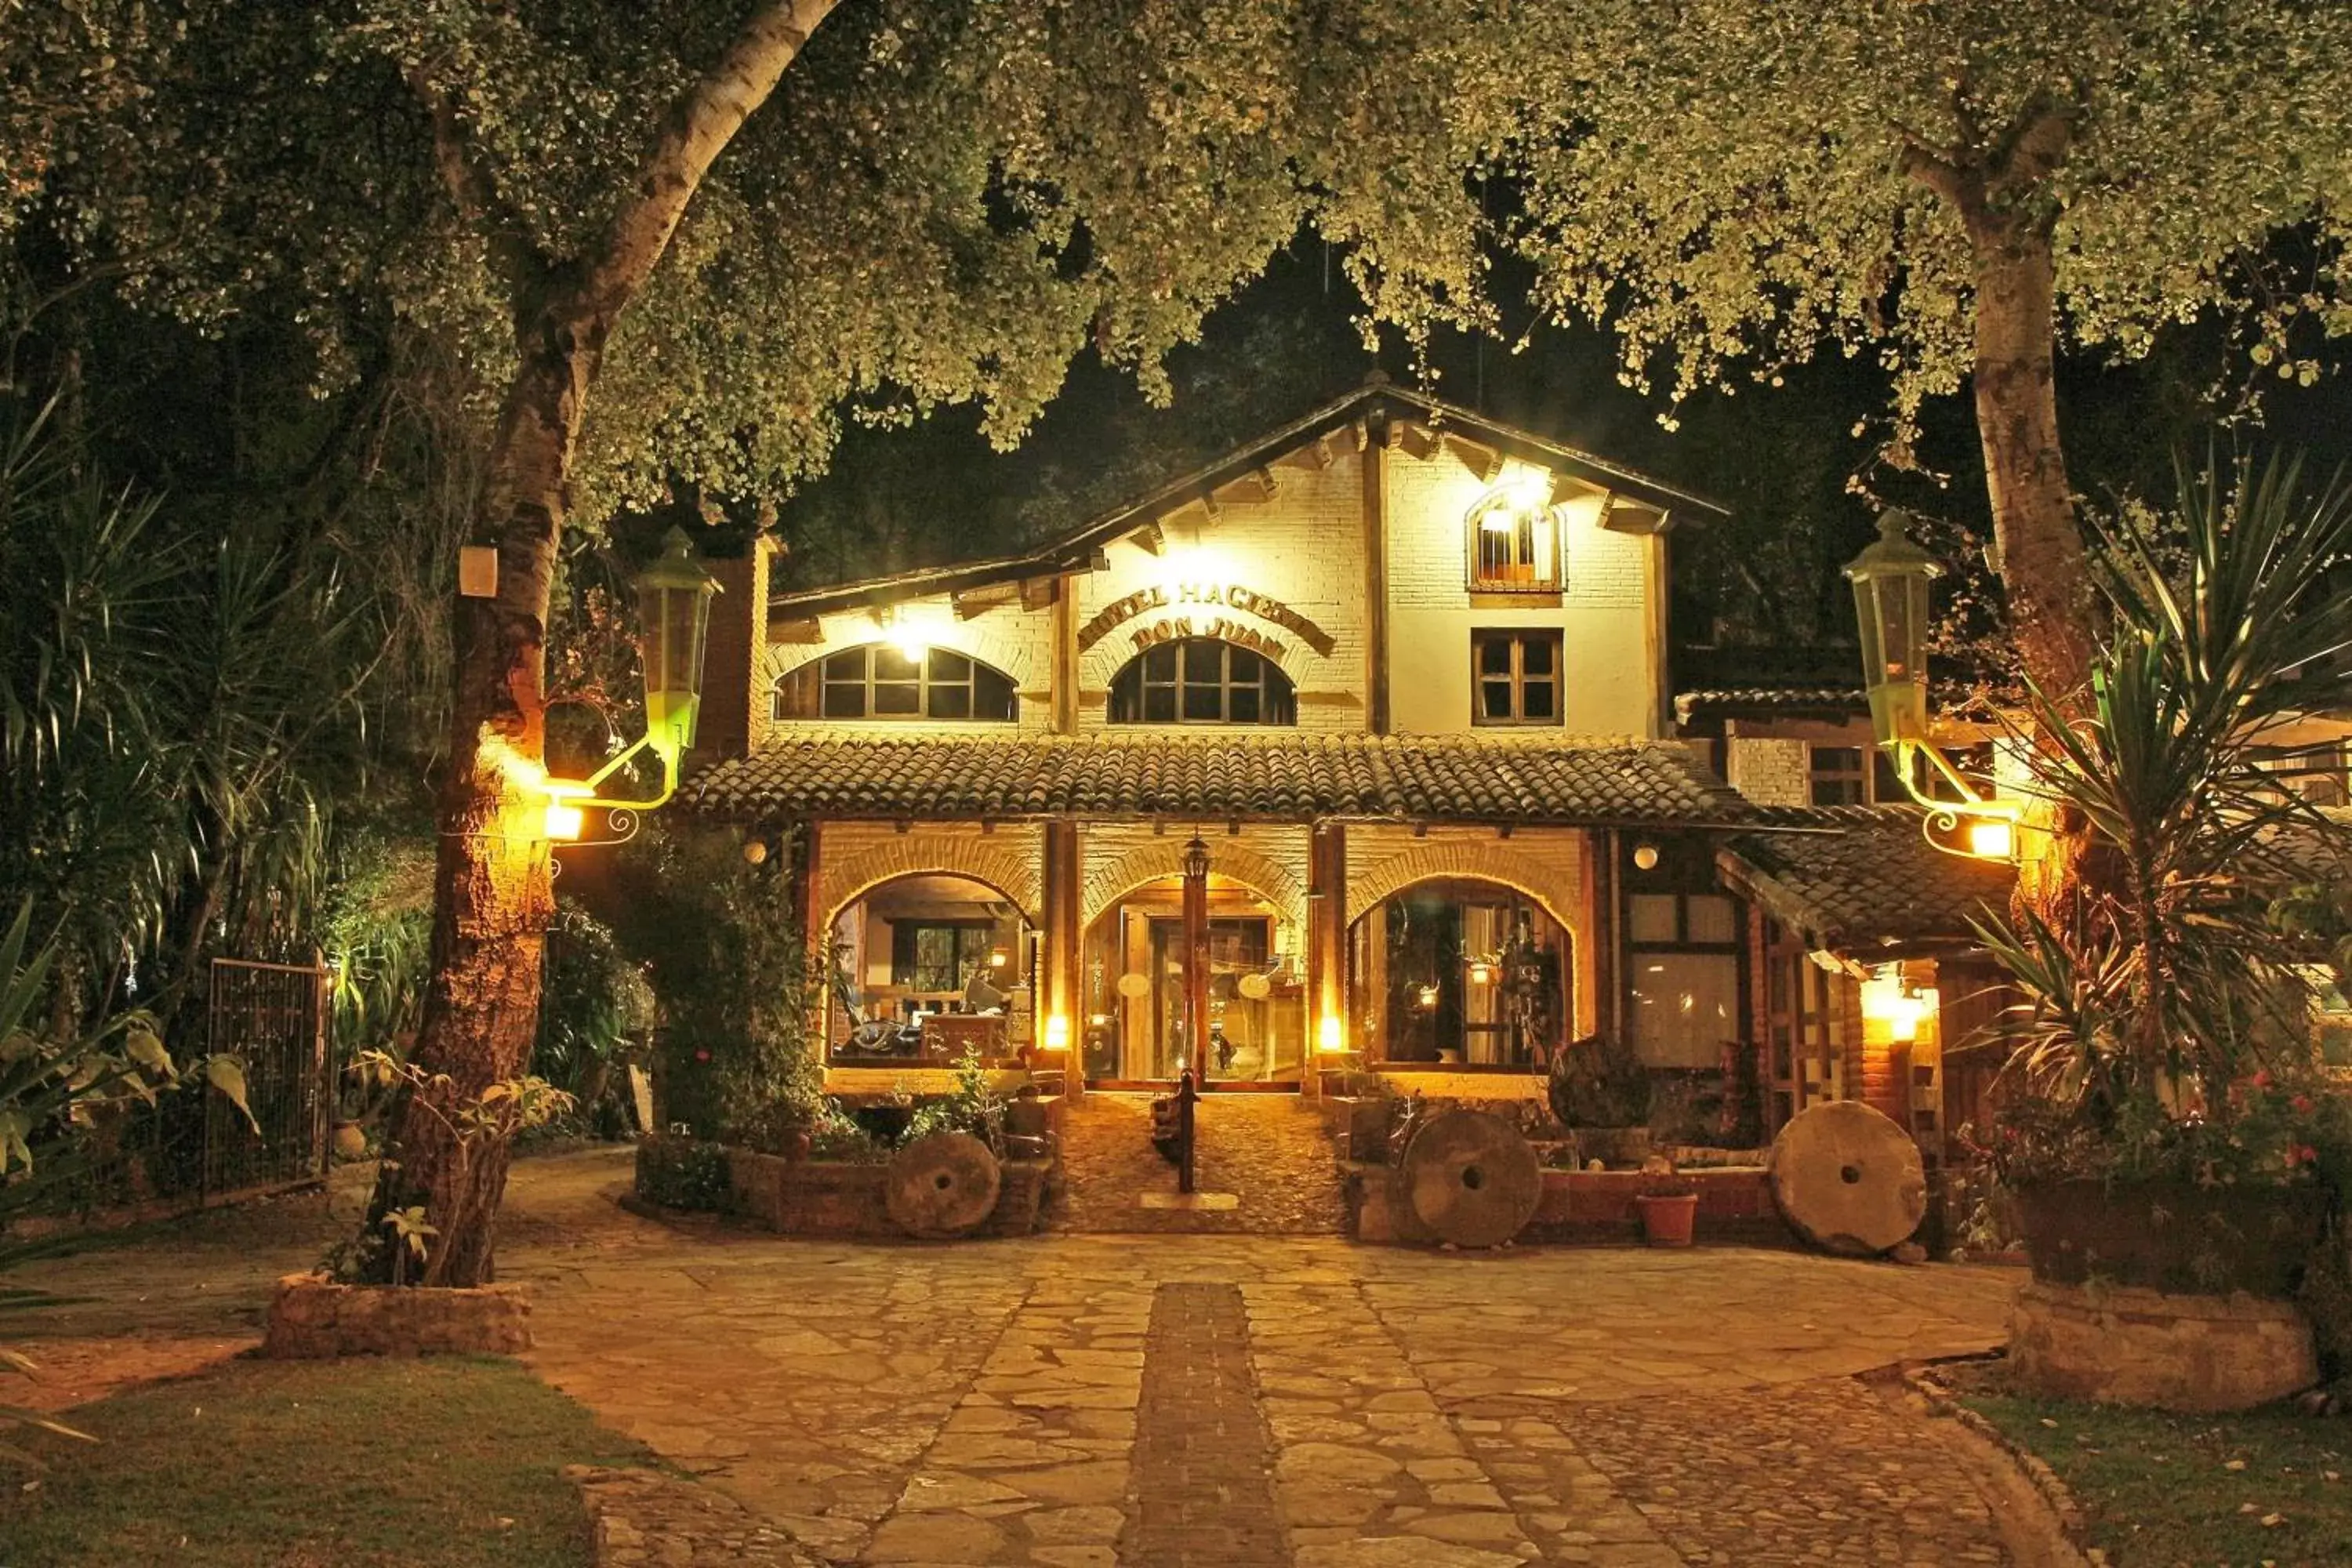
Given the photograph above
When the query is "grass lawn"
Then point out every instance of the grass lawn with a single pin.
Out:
(2215, 1491)
(351, 1464)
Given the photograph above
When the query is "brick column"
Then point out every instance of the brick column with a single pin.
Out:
(1062, 903)
(1327, 945)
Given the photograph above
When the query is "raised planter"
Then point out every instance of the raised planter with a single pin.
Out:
(2126, 1345)
(2172, 1237)
(313, 1318)
(1585, 1207)
(835, 1198)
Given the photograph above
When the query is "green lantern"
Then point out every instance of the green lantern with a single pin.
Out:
(674, 604)
(1890, 598)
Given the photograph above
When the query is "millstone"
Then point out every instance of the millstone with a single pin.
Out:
(1471, 1178)
(1848, 1179)
(944, 1184)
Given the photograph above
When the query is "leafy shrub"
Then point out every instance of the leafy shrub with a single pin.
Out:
(683, 1173)
(973, 1107)
(594, 1005)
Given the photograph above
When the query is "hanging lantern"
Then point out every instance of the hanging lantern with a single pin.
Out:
(1890, 598)
(674, 604)
(1196, 860)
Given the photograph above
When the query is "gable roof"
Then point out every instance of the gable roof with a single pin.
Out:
(1077, 549)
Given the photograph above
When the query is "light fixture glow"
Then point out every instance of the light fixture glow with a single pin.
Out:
(1992, 838)
(564, 823)
(1057, 1033)
(1426, 997)
(1330, 1035)
(1645, 856)
(998, 958)
(1481, 972)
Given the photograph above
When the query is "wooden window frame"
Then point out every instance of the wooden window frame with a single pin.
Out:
(818, 677)
(1858, 778)
(906, 936)
(1537, 548)
(1517, 637)
(1278, 696)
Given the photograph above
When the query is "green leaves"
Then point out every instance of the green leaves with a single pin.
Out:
(2162, 970)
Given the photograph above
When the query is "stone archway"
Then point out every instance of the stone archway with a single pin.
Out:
(1001, 867)
(1164, 858)
(1485, 862)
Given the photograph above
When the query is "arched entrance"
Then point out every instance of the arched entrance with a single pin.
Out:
(1460, 971)
(1132, 987)
(923, 966)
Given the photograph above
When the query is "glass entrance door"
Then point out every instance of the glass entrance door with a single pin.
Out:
(1240, 1041)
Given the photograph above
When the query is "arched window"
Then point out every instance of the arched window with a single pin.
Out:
(877, 681)
(1202, 681)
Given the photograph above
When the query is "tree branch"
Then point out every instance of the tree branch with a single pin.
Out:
(2033, 147)
(468, 178)
(697, 129)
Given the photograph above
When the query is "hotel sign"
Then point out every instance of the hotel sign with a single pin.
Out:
(1182, 595)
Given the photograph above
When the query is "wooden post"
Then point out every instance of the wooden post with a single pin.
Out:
(1196, 957)
(1065, 655)
(1060, 999)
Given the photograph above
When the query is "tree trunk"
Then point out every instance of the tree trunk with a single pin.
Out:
(2043, 565)
(493, 894)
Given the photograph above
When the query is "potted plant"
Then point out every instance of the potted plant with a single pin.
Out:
(1668, 1204)
(2163, 1124)
(1601, 1091)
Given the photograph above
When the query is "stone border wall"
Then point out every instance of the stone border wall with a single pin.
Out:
(847, 1199)
(2128, 1345)
(312, 1317)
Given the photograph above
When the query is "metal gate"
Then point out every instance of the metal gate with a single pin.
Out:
(272, 1018)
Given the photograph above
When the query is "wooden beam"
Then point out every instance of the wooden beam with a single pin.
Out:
(1375, 462)
(1260, 485)
(972, 602)
(1036, 592)
(1417, 439)
(1149, 539)
(1065, 658)
(1484, 461)
(1214, 507)
(1318, 452)
(804, 632)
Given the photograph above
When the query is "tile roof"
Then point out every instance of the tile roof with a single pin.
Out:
(1288, 778)
(1867, 878)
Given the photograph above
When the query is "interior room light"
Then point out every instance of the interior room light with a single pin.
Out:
(1481, 972)
(998, 958)
(1426, 997)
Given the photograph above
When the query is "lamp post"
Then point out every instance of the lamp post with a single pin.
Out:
(674, 605)
(1890, 600)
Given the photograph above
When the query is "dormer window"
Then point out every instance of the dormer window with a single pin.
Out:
(1514, 537)
(879, 680)
(1202, 681)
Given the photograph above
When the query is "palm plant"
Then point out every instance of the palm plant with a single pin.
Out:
(2156, 982)
(54, 1091)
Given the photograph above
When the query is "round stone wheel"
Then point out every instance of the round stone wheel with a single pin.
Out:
(1848, 1179)
(1471, 1178)
(944, 1184)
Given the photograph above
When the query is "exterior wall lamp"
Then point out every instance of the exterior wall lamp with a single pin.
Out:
(674, 605)
(1890, 598)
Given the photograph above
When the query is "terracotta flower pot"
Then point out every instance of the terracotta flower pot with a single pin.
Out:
(1668, 1221)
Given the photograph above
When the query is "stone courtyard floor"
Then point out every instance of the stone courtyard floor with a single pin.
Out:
(1086, 1401)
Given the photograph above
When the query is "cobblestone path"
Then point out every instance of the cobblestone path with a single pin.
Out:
(1040, 1403)
(1201, 1448)
(1269, 1151)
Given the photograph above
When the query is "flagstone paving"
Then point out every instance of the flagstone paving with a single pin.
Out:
(1047, 1402)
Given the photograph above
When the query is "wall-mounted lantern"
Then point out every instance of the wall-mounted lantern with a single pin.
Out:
(1890, 599)
(674, 605)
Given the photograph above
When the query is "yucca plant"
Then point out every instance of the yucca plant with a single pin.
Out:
(2158, 989)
